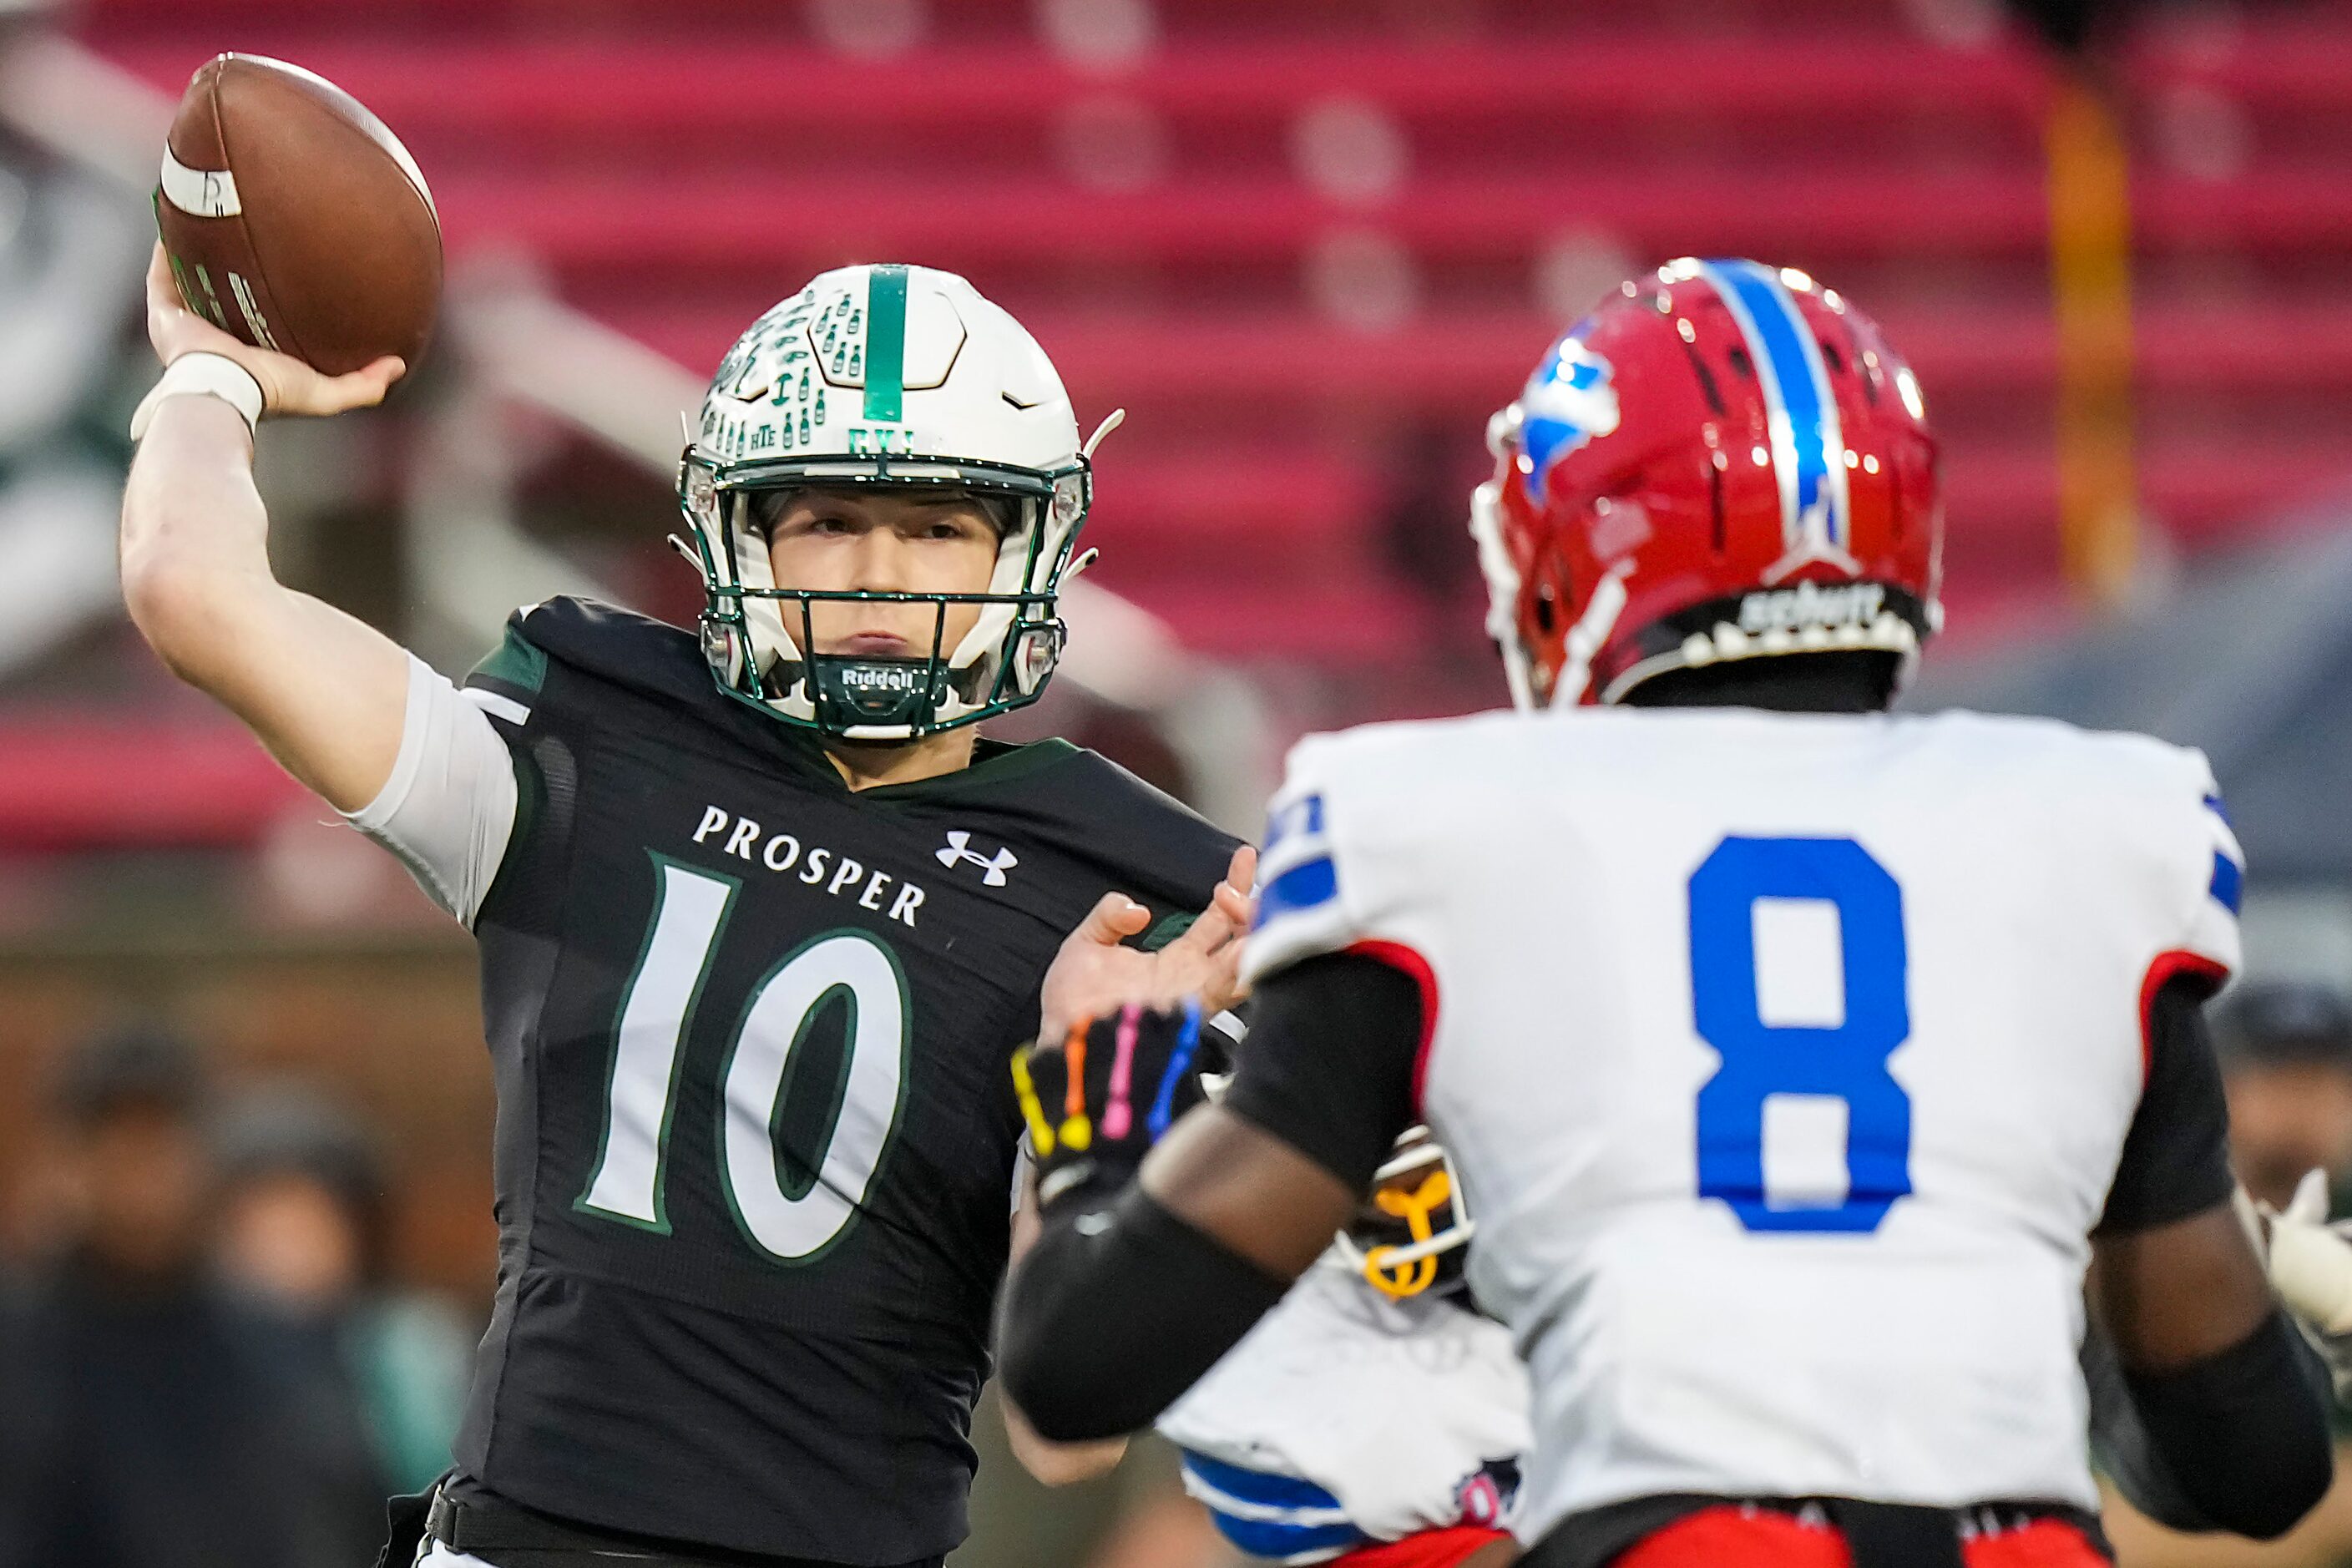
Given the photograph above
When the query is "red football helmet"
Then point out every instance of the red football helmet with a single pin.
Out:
(1722, 461)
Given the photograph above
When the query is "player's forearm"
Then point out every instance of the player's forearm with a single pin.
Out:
(2324, 1539)
(324, 692)
(1118, 1312)
(1059, 1464)
(2238, 1440)
(194, 540)
(1052, 1464)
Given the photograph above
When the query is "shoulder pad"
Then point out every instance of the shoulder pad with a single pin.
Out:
(516, 666)
(1152, 845)
(602, 641)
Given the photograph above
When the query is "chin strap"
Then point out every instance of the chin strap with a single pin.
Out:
(1502, 581)
(1590, 633)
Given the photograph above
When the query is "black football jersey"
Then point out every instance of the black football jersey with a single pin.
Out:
(756, 1132)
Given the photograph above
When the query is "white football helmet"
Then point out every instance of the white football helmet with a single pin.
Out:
(901, 377)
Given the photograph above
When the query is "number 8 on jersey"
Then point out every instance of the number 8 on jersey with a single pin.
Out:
(1783, 1071)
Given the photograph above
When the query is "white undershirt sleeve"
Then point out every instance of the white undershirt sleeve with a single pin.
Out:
(448, 809)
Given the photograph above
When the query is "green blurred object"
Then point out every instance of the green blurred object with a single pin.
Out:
(411, 1357)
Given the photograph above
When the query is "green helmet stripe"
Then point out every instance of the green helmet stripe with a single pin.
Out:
(885, 344)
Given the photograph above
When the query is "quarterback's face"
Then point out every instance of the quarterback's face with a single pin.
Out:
(862, 542)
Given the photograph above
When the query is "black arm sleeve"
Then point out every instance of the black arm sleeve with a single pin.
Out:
(2176, 1156)
(2238, 1441)
(1115, 1313)
(2121, 1447)
(1329, 1065)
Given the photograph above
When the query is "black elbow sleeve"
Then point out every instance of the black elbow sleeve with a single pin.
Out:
(2244, 1433)
(1115, 1313)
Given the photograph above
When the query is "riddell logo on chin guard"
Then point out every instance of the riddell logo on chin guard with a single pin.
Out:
(891, 679)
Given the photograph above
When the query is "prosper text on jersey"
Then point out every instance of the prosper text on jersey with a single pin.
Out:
(838, 874)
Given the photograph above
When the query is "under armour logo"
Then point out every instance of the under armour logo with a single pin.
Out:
(992, 869)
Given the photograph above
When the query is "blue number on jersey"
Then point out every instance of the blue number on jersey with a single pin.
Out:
(1761, 1059)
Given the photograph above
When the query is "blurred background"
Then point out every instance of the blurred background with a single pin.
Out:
(1309, 245)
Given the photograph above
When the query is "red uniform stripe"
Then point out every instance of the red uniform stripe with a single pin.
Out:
(2169, 966)
(1429, 1549)
(1399, 957)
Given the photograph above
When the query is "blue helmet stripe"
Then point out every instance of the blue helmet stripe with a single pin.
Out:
(1809, 445)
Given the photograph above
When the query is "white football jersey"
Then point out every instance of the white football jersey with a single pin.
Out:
(1786, 1061)
(1344, 1417)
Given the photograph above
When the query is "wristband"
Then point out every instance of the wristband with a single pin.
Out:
(205, 375)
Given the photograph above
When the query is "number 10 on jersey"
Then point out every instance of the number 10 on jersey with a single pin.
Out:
(1842, 1062)
(792, 1215)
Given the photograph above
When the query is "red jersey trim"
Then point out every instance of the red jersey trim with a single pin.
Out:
(2168, 967)
(1406, 960)
(1429, 1549)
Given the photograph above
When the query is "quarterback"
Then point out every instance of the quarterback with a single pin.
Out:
(1801, 1061)
(760, 916)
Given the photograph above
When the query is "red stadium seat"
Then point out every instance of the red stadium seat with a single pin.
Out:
(675, 166)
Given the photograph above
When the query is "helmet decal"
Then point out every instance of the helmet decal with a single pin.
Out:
(886, 344)
(1808, 448)
(1568, 403)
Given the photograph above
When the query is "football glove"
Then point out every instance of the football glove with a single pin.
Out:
(2310, 1264)
(1096, 1102)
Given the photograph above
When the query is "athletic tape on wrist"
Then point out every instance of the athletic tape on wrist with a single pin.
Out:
(203, 375)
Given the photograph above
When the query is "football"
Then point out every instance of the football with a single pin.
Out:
(296, 220)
